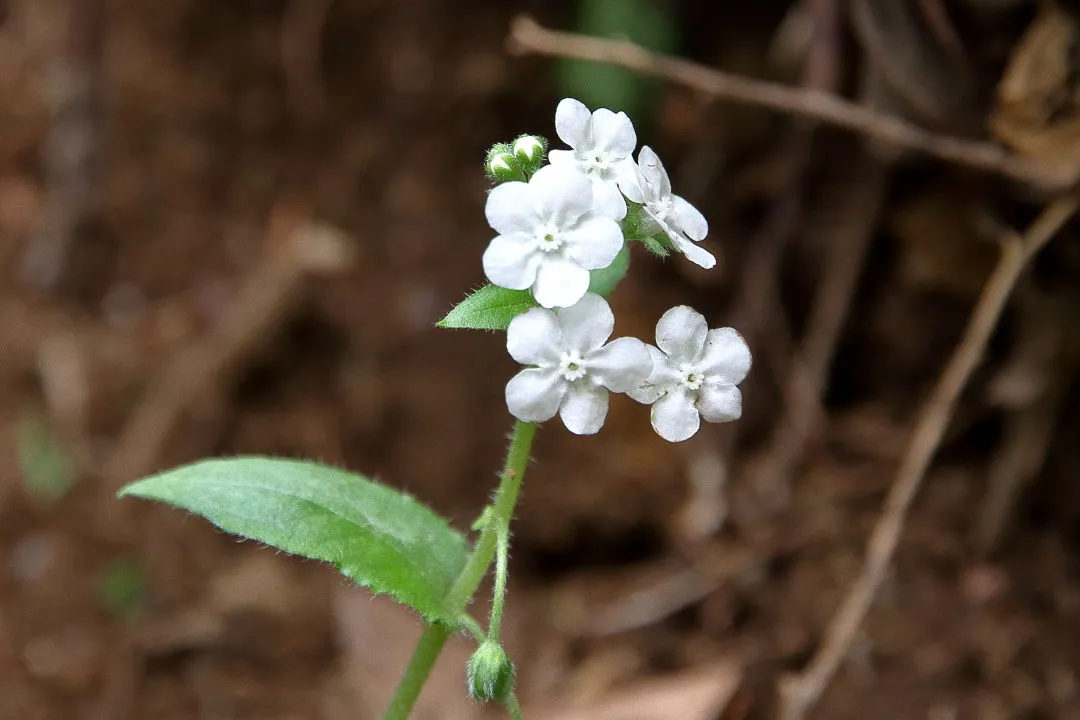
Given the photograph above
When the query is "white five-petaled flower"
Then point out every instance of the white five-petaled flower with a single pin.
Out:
(573, 369)
(679, 220)
(603, 144)
(550, 236)
(695, 371)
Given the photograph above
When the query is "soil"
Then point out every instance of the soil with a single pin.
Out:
(218, 129)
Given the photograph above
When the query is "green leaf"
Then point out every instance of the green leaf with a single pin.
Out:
(380, 538)
(489, 308)
(603, 282)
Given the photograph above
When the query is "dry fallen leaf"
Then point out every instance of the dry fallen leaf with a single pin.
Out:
(1038, 104)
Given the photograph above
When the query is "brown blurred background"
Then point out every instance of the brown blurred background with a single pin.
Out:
(228, 227)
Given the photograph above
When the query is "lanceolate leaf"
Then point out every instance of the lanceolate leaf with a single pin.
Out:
(380, 538)
(489, 308)
(603, 282)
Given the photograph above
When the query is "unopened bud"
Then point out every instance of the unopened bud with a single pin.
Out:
(490, 673)
(529, 150)
(502, 166)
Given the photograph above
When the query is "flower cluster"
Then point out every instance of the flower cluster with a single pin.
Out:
(557, 223)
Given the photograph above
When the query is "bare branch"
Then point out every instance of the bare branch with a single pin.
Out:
(527, 37)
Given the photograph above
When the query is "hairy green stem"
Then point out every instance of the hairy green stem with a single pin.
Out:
(498, 598)
(435, 635)
(412, 682)
(514, 707)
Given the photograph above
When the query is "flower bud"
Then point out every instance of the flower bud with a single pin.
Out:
(502, 166)
(529, 151)
(490, 673)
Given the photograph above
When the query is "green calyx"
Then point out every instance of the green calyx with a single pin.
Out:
(490, 673)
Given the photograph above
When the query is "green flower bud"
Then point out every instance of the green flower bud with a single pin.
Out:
(501, 164)
(490, 673)
(529, 151)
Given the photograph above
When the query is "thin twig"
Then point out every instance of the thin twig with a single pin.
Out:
(800, 692)
(526, 36)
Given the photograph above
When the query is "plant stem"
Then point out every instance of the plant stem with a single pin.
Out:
(498, 598)
(412, 682)
(435, 635)
(514, 707)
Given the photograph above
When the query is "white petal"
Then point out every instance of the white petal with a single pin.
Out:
(694, 253)
(594, 242)
(587, 324)
(726, 356)
(561, 194)
(621, 365)
(630, 181)
(720, 402)
(681, 333)
(654, 172)
(571, 122)
(509, 208)
(613, 133)
(660, 380)
(584, 408)
(690, 219)
(534, 394)
(534, 338)
(561, 158)
(560, 282)
(674, 416)
(512, 261)
(607, 200)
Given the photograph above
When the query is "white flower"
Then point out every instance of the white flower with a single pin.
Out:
(573, 369)
(603, 144)
(649, 186)
(550, 236)
(695, 371)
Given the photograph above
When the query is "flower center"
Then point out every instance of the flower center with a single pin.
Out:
(571, 366)
(690, 376)
(547, 238)
(661, 208)
(595, 162)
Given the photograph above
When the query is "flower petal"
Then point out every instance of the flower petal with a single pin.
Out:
(630, 182)
(689, 219)
(534, 338)
(587, 324)
(719, 402)
(660, 380)
(654, 172)
(512, 261)
(674, 416)
(561, 158)
(726, 356)
(534, 394)
(571, 122)
(594, 242)
(606, 198)
(694, 253)
(509, 209)
(681, 334)
(584, 408)
(613, 133)
(560, 282)
(560, 194)
(621, 365)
